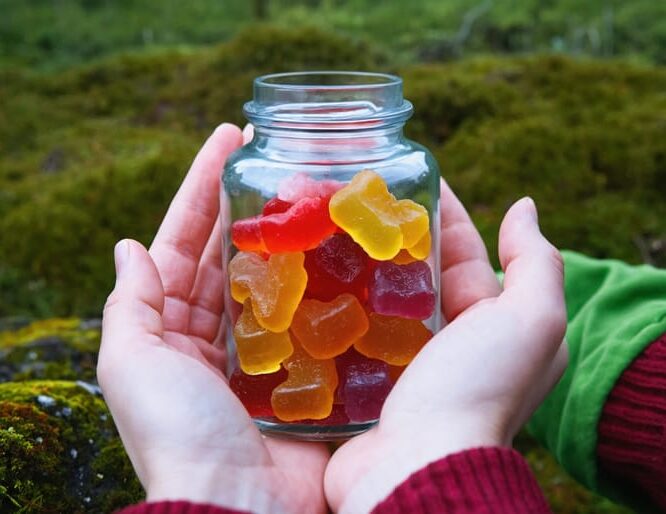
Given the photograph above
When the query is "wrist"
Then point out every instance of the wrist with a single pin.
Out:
(240, 489)
(403, 453)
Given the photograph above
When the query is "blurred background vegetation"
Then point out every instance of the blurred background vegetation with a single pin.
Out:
(103, 104)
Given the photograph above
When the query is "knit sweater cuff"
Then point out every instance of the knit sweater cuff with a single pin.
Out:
(632, 428)
(176, 507)
(481, 480)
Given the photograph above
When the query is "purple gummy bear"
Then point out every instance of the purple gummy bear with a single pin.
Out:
(402, 290)
(364, 385)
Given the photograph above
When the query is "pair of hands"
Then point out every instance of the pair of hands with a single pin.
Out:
(474, 384)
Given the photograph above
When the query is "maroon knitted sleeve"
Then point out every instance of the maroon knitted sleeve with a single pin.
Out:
(632, 429)
(176, 507)
(478, 481)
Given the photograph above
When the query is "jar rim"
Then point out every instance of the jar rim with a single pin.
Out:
(379, 80)
(327, 100)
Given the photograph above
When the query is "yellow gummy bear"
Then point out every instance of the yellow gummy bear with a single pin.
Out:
(259, 350)
(372, 216)
(421, 249)
(275, 286)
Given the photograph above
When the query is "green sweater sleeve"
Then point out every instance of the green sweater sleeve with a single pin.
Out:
(614, 311)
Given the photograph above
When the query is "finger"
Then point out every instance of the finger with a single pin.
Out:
(534, 273)
(207, 299)
(133, 311)
(248, 133)
(467, 276)
(188, 223)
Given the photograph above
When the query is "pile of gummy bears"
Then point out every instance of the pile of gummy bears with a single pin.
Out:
(334, 289)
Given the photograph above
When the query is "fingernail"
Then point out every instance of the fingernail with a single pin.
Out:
(530, 208)
(121, 255)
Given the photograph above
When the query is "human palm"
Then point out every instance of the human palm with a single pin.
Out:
(481, 377)
(160, 363)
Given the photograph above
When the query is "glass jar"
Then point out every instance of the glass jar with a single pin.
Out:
(331, 235)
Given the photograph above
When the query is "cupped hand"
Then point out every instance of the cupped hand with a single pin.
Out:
(481, 377)
(160, 363)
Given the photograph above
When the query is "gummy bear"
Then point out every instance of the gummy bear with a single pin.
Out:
(394, 340)
(301, 185)
(336, 266)
(403, 257)
(309, 390)
(259, 350)
(364, 385)
(275, 206)
(275, 286)
(302, 226)
(395, 372)
(421, 249)
(382, 225)
(338, 416)
(402, 290)
(255, 391)
(246, 235)
(328, 329)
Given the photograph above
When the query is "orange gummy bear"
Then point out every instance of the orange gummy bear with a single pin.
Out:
(328, 329)
(373, 217)
(309, 390)
(259, 350)
(275, 286)
(394, 340)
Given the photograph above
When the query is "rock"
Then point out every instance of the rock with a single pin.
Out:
(60, 451)
(53, 349)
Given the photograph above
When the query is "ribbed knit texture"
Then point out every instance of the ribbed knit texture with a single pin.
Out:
(176, 507)
(478, 481)
(632, 429)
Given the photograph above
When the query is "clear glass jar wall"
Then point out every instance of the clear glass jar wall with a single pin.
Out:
(331, 241)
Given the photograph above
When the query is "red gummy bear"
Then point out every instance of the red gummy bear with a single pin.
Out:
(254, 391)
(338, 265)
(275, 206)
(302, 226)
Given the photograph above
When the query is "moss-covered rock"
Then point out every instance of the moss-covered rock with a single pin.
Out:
(60, 451)
(58, 349)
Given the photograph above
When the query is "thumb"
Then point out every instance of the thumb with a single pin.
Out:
(133, 311)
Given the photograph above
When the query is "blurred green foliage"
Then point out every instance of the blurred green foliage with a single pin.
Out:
(93, 154)
(54, 34)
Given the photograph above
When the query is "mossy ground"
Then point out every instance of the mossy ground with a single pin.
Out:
(60, 451)
(61, 349)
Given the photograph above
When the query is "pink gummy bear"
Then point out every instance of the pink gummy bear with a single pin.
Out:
(402, 290)
(301, 185)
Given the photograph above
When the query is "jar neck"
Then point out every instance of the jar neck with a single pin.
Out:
(328, 116)
(331, 146)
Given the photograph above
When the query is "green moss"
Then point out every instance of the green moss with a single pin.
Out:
(50, 349)
(60, 451)
(585, 139)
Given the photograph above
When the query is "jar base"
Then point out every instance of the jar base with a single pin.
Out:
(312, 432)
